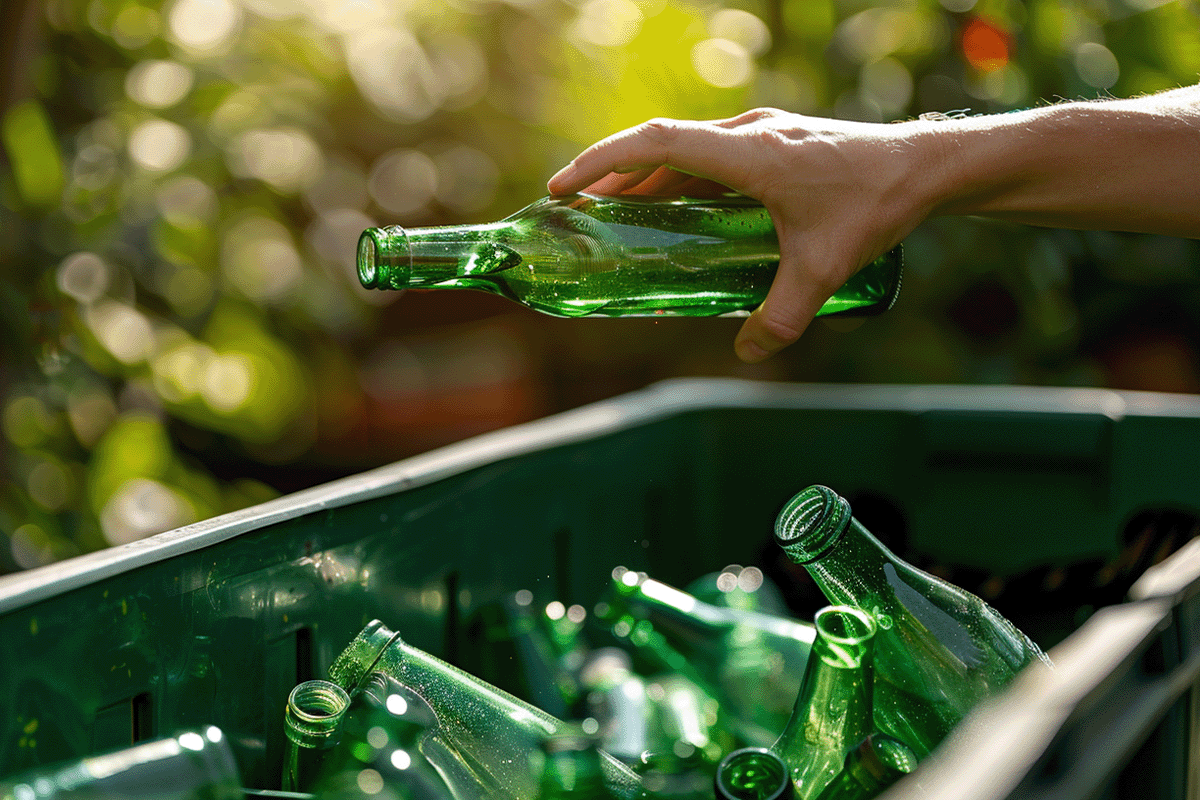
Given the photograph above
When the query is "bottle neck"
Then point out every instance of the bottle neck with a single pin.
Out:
(833, 707)
(455, 256)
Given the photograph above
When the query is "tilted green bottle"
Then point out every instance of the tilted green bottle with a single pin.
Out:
(381, 735)
(487, 733)
(313, 725)
(193, 765)
(939, 650)
(753, 773)
(875, 764)
(585, 255)
(754, 662)
(833, 709)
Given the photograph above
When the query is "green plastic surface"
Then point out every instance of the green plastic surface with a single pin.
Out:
(215, 623)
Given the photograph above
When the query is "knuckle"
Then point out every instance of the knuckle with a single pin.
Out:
(660, 131)
(777, 327)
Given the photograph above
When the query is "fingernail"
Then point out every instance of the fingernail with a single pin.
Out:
(750, 352)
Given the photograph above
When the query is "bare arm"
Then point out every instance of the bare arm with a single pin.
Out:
(841, 193)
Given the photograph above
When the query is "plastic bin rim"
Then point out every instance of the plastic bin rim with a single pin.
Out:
(657, 401)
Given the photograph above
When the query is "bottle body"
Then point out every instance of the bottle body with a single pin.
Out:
(313, 724)
(194, 765)
(592, 256)
(753, 662)
(479, 730)
(939, 651)
(875, 764)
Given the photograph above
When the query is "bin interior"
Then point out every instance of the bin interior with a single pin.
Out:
(1046, 509)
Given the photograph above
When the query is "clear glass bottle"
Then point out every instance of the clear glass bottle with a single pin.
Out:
(939, 650)
(193, 765)
(752, 773)
(485, 731)
(833, 708)
(585, 255)
(752, 662)
(875, 764)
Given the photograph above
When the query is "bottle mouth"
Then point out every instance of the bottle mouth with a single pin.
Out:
(811, 524)
(380, 263)
(752, 773)
(844, 635)
(351, 669)
(314, 712)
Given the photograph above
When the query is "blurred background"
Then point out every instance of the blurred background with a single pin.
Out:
(181, 331)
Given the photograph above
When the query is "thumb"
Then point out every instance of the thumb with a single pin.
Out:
(790, 305)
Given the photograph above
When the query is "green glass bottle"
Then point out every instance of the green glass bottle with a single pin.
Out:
(488, 733)
(381, 736)
(752, 773)
(833, 707)
(753, 662)
(193, 765)
(585, 255)
(313, 724)
(939, 650)
(875, 764)
(617, 700)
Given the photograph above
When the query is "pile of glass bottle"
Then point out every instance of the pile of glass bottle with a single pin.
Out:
(668, 693)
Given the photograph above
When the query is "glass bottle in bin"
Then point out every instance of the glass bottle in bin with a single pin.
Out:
(313, 725)
(488, 733)
(192, 765)
(875, 764)
(753, 661)
(833, 709)
(753, 773)
(592, 256)
(939, 649)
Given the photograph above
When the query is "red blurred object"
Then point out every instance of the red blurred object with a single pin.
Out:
(985, 45)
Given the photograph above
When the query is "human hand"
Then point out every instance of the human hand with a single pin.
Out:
(839, 193)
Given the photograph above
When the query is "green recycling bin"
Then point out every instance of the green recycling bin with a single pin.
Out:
(1006, 490)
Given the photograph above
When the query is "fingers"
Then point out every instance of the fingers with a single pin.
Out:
(693, 148)
(790, 305)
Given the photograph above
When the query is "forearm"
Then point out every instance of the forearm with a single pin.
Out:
(1131, 165)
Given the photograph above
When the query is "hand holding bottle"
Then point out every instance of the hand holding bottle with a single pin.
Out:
(815, 177)
(840, 193)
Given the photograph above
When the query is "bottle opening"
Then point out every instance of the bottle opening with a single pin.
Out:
(811, 523)
(752, 773)
(844, 635)
(367, 273)
(314, 713)
(318, 700)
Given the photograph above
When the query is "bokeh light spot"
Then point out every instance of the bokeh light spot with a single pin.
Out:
(742, 27)
(370, 781)
(159, 145)
(50, 485)
(141, 507)
(985, 45)
(403, 181)
(608, 23)
(204, 26)
(158, 83)
(122, 330)
(260, 259)
(1097, 65)
(401, 759)
(228, 382)
(722, 63)
(83, 276)
(30, 547)
(467, 179)
(286, 158)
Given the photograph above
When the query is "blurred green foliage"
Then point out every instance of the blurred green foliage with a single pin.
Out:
(182, 331)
